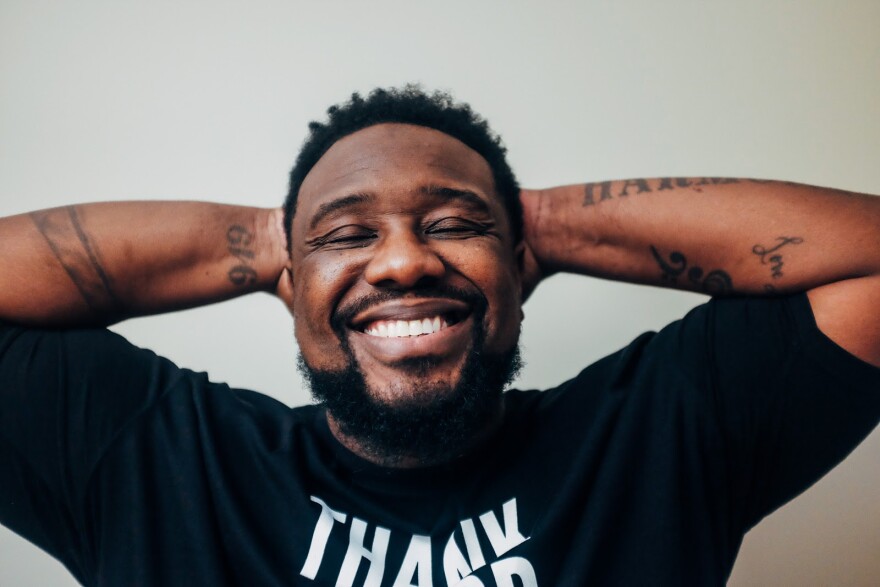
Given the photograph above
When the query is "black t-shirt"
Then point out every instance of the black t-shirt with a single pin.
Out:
(645, 469)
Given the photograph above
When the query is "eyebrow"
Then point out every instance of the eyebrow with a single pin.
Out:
(456, 194)
(339, 204)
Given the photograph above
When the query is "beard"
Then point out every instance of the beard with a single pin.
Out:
(430, 421)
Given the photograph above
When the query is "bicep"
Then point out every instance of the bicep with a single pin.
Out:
(65, 396)
(848, 312)
(787, 400)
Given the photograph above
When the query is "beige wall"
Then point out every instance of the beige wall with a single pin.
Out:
(209, 100)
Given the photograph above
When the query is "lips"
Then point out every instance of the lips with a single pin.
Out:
(405, 317)
(405, 328)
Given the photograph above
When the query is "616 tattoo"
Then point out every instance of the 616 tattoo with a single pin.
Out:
(239, 241)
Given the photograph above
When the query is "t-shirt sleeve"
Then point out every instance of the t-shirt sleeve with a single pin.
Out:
(790, 403)
(64, 398)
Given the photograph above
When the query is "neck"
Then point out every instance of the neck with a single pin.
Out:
(403, 459)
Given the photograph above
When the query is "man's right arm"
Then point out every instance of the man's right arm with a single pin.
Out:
(67, 395)
(96, 264)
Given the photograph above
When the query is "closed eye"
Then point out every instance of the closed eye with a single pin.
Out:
(344, 237)
(457, 228)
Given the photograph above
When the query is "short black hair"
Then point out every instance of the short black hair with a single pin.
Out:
(408, 105)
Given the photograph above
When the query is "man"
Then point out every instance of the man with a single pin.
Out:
(404, 252)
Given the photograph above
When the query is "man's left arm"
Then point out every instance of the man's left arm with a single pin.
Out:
(720, 236)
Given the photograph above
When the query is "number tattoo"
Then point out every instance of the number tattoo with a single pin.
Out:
(238, 242)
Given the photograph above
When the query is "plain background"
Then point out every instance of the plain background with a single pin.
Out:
(210, 100)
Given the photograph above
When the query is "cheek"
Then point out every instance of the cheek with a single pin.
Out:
(318, 286)
(507, 314)
(498, 279)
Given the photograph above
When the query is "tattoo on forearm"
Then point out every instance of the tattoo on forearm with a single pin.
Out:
(716, 282)
(239, 241)
(596, 193)
(603, 194)
(78, 255)
(771, 256)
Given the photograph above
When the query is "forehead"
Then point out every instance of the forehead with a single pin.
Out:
(393, 160)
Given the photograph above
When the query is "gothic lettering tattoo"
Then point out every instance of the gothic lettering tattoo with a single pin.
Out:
(640, 184)
(604, 192)
(716, 282)
(596, 193)
(666, 183)
(239, 241)
(78, 255)
(771, 256)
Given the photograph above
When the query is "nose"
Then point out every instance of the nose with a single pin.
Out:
(403, 260)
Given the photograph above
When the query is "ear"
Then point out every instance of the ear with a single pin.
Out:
(519, 254)
(529, 270)
(284, 288)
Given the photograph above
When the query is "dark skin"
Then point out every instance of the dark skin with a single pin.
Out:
(403, 234)
(721, 236)
(399, 208)
(416, 207)
(97, 264)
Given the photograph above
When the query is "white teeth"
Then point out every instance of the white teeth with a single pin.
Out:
(402, 328)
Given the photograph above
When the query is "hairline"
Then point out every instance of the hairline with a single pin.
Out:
(495, 191)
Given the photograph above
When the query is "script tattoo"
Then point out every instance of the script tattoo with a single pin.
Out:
(770, 256)
(716, 282)
(596, 193)
(239, 241)
(78, 255)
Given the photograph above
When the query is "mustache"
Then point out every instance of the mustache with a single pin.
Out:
(345, 314)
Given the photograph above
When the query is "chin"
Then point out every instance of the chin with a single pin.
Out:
(417, 382)
(427, 419)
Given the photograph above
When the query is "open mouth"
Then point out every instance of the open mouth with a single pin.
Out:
(410, 318)
(391, 331)
(398, 328)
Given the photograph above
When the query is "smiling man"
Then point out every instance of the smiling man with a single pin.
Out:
(407, 274)
(404, 252)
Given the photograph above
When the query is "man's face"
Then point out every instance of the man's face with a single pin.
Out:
(401, 251)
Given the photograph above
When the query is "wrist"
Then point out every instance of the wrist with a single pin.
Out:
(274, 252)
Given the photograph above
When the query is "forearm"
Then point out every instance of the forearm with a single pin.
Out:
(717, 236)
(100, 263)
